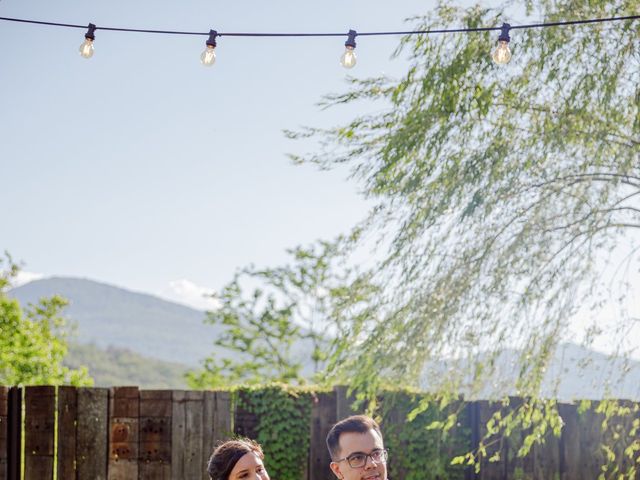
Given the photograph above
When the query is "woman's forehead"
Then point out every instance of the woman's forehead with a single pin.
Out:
(247, 461)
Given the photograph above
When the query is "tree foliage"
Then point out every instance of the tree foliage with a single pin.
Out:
(33, 339)
(296, 320)
(496, 187)
(498, 191)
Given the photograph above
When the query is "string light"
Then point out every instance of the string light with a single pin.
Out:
(501, 55)
(86, 49)
(348, 58)
(208, 57)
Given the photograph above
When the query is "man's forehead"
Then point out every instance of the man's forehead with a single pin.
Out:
(366, 442)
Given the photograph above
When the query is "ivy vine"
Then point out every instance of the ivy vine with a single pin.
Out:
(283, 426)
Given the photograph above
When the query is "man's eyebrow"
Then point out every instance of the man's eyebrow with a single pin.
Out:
(364, 453)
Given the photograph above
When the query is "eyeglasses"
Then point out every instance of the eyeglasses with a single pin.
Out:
(359, 460)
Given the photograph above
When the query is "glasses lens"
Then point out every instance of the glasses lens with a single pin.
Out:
(379, 456)
(357, 460)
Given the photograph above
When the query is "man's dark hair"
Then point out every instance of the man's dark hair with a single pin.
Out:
(353, 424)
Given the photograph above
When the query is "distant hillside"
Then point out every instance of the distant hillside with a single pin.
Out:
(139, 336)
(109, 316)
(118, 366)
(574, 373)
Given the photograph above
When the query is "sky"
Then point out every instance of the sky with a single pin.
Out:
(141, 168)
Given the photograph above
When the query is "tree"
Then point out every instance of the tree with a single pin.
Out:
(498, 188)
(298, 318)
(33, 340)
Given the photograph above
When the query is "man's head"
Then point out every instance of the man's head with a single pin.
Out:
(356, 448)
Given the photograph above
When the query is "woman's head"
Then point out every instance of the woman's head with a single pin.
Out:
(239, 459)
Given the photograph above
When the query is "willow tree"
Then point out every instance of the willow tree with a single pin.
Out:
(498, 188)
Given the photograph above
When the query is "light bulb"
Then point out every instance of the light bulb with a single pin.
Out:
(348, 58)
(501, 54)
(208, 57)
(86, 49)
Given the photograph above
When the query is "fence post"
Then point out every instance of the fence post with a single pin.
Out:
(4, 432)
(14, 434)
(323, 417)
(39, 432)
(124, 413)
(155, 435)
(186, 435)
(343, 403)
(92, 438)
(67, 433)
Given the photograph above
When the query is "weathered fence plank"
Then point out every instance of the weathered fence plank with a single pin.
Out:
(124, 412)
(155, 435)
(14, 434)
(323, 416)
(344, 403)
(590, 434)
(92, 433)
(39, 432)
(186, 434)
(222, 418)
(208, 422)
(245, 423)
(570, 454)
(67, 418)
(216, 424)
(490, 470)
(162, 435)
(4, 432)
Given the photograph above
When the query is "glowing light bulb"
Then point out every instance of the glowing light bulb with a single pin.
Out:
(86, 49)
(208, 57)
(501, 55)
(348, 58)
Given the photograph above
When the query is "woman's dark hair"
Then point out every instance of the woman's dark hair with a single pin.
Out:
(226, 455)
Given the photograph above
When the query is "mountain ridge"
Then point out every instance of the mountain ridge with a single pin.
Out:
(130, 328)
(111, 316)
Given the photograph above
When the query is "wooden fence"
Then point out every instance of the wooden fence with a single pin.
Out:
(125, 433)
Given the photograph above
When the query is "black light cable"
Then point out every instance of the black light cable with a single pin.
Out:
(501, 55)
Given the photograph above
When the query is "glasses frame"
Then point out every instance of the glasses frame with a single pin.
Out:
(384, 455)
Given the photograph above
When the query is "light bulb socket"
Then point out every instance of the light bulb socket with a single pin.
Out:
(351, 39)
(504, 33)
(211, 42)
(90, 32)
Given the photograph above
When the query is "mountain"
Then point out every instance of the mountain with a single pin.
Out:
(109, 316)
(575, 372)
(138, 339)
(119, 366)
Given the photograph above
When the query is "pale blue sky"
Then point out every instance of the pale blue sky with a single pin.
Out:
(139, 167)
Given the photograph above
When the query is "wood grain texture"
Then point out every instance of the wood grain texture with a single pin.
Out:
(92, 438)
